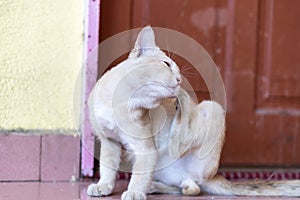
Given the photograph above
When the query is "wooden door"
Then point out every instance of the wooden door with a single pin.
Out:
(255, 45)
(263, 87)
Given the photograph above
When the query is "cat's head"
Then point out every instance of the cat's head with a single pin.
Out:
(160, 74)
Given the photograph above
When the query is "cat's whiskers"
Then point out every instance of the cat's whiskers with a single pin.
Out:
(189, 75)
(186, 68)
(186, 71)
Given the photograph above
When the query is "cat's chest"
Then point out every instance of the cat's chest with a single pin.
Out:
(188, 167)
(104, 121)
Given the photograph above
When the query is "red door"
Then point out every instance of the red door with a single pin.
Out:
(256, 47)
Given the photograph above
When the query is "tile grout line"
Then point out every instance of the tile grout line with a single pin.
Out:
(40, 160)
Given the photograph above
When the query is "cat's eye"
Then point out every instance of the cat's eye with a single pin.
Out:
(168, 64)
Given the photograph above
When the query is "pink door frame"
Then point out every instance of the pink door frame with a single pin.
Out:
(90, 73)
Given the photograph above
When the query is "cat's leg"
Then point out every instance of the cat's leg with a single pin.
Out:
(110, 156)
(190, 188)
(180, 130)
(142, 171)
(161, 188)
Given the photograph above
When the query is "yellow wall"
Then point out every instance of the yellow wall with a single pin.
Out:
(40, 57)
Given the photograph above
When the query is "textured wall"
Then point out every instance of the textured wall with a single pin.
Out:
(40, 57)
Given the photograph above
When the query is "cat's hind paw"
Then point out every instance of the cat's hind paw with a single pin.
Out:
(98, 190)
(133, 196)
(190, 188)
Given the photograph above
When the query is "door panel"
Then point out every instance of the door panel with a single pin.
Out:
(279, 60)
(278, 82)
(263, 124)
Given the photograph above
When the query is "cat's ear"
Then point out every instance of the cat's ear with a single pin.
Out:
(145, 43)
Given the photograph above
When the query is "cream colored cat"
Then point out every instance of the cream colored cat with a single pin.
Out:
(196, 139)
(119, 113)
(183, 154)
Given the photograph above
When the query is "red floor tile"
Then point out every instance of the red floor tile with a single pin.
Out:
(77, 191)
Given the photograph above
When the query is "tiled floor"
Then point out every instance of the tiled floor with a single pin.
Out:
(77, 191)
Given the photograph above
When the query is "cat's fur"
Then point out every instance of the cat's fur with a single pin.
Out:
(196, 139)
(119, 113)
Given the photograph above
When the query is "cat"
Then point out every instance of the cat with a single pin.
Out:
(180, 156)
(195, 142)
(119, 107)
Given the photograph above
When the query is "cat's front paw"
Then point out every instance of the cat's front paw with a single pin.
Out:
(98, 190)
(133, 196)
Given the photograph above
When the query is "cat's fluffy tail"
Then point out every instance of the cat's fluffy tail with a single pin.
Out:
(220, 186)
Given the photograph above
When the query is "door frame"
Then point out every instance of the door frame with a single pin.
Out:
(89, 78)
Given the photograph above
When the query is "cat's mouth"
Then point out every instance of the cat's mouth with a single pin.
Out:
(172, 89)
